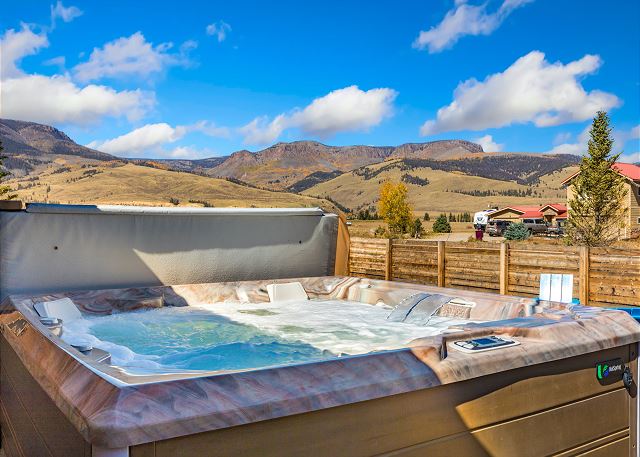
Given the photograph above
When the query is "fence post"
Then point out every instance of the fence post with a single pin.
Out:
(584, 275)
(388, 261)
(441, 263)
(504, 268)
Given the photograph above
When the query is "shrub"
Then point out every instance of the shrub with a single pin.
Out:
(204, 203)
(517, 231)
(367, 214)
(381, 232)
(417, 180)
(441, 225)
(416, 228)
(5, 191)
(174, 201)
(427, 217)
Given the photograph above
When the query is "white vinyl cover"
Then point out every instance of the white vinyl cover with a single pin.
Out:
(51, 248)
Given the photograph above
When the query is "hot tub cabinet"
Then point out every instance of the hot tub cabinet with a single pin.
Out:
(541, 397)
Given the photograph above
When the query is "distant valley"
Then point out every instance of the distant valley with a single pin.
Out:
(449, 175)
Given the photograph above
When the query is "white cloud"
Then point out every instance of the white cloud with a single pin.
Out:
(59, 61)
(182, 152)
(488, 145)
(219, 29)
(15, 45)
(261, 131)
(561, 138)
(64, 13)
(189, 152)
(530, 90)
(131, 56)
(633, 157)
(210, 129)
(347, 109)
(57, 99)
(151, 138)
(620, 138)
(141, 139)
(464, 20)
(629, 137)
(577, 148)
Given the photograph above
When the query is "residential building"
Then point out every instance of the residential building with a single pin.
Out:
(552, 213)
(631, 174)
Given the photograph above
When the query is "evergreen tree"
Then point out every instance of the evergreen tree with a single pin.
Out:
(4, 190)
(441, 225)
(416, 228)
(596, 209)
(517, 231)
(394, 207)
(427, 217)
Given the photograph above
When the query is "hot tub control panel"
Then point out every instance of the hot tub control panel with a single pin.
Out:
(485, 343)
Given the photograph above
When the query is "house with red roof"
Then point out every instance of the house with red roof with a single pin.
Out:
(552, 213)
(631, 174)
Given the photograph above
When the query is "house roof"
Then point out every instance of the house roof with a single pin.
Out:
(557, 207)
(531, 212)
(521, 210)
(628, 170)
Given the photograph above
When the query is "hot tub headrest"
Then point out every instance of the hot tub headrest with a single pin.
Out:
(63, 309)
(286, 292)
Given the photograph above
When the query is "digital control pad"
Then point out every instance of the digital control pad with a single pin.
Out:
(485, 343)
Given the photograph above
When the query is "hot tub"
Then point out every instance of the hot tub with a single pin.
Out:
(363, 367)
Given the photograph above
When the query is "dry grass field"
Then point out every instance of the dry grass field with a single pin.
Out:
(138, 185)
(355, 191)
(366, 229)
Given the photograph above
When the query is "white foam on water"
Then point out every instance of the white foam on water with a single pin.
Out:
(79, 332)
(339, 326)
(233, 335)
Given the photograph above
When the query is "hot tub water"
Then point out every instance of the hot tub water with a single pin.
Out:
(238, 336)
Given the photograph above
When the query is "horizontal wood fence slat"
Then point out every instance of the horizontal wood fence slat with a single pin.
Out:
(602, 276)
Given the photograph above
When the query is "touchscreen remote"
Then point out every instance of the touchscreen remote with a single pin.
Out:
(485, 343)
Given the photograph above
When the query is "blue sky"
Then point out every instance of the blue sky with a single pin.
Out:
(149, 79)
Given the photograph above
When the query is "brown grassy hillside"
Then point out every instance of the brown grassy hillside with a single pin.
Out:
(446, 191)
(69, 182)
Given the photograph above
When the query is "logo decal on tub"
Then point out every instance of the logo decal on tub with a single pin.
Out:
(610, 371)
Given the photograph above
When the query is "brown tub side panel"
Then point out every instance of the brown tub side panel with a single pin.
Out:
(556, 407)
(32, 425)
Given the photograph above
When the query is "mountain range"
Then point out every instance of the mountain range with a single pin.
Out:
(283, 164)
(35, 151)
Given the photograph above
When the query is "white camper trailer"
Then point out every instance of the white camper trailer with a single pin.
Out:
(481, 219)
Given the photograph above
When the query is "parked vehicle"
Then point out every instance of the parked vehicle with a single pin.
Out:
(497, 228)
(536, 226)
(481, 219)
(556, 230)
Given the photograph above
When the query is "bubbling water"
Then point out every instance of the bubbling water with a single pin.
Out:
(239, 336)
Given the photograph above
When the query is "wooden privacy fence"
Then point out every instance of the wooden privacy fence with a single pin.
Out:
(602, 276)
